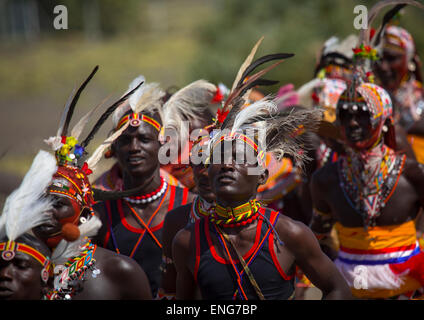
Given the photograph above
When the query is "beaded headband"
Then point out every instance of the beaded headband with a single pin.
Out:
(10, 248)
(135, 120)
(241, 137)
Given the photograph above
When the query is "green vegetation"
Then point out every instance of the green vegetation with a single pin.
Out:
(171, 42)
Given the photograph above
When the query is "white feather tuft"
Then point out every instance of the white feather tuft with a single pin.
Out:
(263, 107)
(148, 97)
(27, 207)
(138, 93)
(186, 104)
(55, 143)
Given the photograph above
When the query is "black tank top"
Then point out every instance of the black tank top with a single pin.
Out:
(216, 277)
(137, 243)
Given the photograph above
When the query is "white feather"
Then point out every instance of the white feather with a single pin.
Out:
(146, 98)
(138, 93)
(55, 143)
(265, 107)
(26, 207)
(185, 104)
(150, 99)
(98, 153)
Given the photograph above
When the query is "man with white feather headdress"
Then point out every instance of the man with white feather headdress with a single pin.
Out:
(55, 201)
(26, 268)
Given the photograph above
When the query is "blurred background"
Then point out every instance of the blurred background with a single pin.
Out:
(170, 42)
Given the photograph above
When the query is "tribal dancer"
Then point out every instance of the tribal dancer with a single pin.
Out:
(132, 225)
(26, 269)
(399, 73)
(83, 270)
(236, 252)
(364, 193)
(177, 219)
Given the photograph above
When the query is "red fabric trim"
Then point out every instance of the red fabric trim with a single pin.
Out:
(171, 198)
(185, 196)
(413, 267)
(131, 228)
(378, 251)
(248, 253)
(197, 244)
(124, 220)
(274, 258)
(109, 223)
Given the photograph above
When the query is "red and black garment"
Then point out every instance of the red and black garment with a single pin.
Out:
(142, 244)
(217, 278)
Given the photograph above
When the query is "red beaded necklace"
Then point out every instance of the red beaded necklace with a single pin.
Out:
(149, 197)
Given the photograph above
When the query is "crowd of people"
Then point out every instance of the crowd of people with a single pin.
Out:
(228, 193)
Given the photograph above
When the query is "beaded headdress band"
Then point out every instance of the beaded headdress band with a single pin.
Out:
(10, 248)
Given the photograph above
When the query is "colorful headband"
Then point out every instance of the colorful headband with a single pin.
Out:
(10, 248)
(242, 137)
(399, 38)
(73, 182)
(135, 121)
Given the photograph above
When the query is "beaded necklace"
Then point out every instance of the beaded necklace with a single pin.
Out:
(200, 208)
(149, 197)
(235, 217)
(368, 187)
(72, 272)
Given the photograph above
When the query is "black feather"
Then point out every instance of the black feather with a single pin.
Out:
(259, 82)
(75, 100)
(386, 19)
(262, 60)
(237, 103)
(106, 114)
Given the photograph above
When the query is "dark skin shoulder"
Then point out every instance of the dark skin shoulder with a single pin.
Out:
(402, 144)
(183, 249)
(174, 221)
(120, 278)
(309, 257)
(316, 265)
(414, 173)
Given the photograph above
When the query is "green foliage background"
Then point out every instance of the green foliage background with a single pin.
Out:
(172, 42)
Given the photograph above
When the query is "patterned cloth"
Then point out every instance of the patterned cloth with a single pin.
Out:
(382, 262)
(378, 102)
(396, 37)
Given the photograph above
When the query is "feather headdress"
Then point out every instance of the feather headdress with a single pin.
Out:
(187, 104)
(367, 50)
(70, 179)
(244, 81)
(148, 97)
(67, 149)
(27, 207)
(283, 132)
